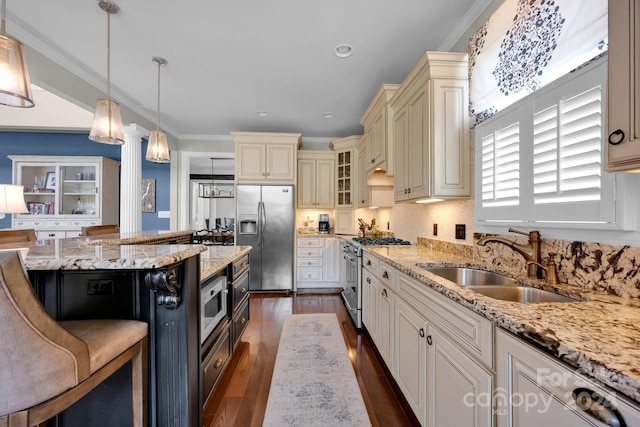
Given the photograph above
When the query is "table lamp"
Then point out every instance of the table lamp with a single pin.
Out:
(12, 199)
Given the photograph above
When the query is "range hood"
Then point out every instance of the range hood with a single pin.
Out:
(381, 189)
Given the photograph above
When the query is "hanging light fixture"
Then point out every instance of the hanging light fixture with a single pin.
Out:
(211, 190)
(158, 149)
(107, 122)
(15, 85)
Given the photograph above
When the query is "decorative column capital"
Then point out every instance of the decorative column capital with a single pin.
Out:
(135, 132)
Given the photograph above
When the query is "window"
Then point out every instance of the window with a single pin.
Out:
(540, 160)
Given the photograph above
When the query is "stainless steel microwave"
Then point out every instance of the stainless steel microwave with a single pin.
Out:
(213, 305)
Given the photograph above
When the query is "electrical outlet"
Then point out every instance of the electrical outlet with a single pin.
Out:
(435, 229)
(461, 231)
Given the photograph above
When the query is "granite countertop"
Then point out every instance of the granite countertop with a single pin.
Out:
(215, 258)
(75, 254)
(599, 335)
(135, 238)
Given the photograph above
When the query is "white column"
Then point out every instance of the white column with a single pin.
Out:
(131, 178)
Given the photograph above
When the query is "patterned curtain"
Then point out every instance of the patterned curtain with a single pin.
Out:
(526, 44)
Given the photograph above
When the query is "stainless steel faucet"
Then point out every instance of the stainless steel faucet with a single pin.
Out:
(530, 252)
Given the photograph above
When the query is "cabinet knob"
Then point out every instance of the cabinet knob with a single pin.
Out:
(263, 174)
(421, 332)
(369, 262)
(385, 275)
(218, 363)
(409, 190)
(243, 321)
(384, 292)
(52, 234)
(405, 191)
(243, 290)
(368, 279)
(429, 340)
(597, 407)
(373, 160)
(308, 262)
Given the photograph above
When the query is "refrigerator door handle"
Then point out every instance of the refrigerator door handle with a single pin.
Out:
(263, 222)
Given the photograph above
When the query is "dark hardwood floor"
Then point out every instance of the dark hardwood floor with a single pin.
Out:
(240, 397)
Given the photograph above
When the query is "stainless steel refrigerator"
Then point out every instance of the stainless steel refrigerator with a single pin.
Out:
(266, 221)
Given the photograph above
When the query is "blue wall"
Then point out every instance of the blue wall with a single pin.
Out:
(78, 144)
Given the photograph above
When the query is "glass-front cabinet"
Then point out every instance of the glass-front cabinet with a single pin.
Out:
(64, 194)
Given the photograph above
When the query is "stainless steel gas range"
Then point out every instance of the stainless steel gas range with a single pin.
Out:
(351, 271)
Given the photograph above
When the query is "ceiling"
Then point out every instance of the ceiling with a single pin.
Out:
(229, 60)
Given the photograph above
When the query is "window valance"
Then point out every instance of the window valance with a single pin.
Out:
(526, 44)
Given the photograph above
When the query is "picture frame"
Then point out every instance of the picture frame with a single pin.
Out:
(148, 195)
(50, 181)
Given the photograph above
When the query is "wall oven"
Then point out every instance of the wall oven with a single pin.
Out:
(213, 305)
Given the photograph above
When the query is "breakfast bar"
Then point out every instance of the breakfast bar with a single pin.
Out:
(143, 278)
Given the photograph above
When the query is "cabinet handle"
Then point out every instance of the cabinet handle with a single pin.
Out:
(218, 363)
(243, 290)
(429, 340)
(385, 275)
(368, 279)
(368, 262)
(617, 132)
(52, 234)
(405, 191)
(243, 321)
(309, 253)
(421, 332)
(244, 264)
(384, 292)
(409, 190)
(597, 407)
(309, 263)
(373, 160)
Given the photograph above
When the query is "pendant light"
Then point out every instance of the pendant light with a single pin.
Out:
(107, 122)
(211, 190)
(158, 149)
(15, 85)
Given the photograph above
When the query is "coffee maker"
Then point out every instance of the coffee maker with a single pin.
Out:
(323, 224)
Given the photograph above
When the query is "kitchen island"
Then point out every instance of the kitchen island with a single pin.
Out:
(596, 337)
(80, 278)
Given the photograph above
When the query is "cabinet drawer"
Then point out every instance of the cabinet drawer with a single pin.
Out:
(309, 243)
(472, 332)
(309, 274)
(239, 266)
(387, 275)
(56, 223)
(309, 262)
(309, 252)
(83, 222)
(214, 362)
(370, 262)
(51, 234)
(71, 234)
(240, 289)
(240, 322)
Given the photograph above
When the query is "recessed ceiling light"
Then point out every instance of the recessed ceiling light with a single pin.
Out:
(343, 50)
(327, 114)
(263, 113)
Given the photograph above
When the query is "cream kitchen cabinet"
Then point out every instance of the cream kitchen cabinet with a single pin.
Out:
(266, 158)
(543, 391)
(65, 193)
(346, 182)
(364, 194)
(318, 262)
(377, 122)
(316, 187)
(623, 92)
(431, 130)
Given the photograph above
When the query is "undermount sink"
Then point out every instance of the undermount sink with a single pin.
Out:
(465, 276)
(496, 285)
(520, 294)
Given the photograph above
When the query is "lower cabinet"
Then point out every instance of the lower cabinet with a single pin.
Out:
(214, 362)
(378, 311)
(535, 390)
(318, 262)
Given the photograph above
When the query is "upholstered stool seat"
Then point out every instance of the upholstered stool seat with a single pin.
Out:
(46, 366)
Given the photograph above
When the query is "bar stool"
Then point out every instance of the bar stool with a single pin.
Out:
(18, 236)
(95, 230)
(46, 366)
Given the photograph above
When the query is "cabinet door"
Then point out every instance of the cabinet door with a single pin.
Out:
(306, 183)
(331, 259)
(386, 304)
(345, 221)
(251, 165)
(364, 194)
(411, 357)
(449, 137)
(325, 188)
(377, 144)
(345, 181)
(624, 85)
(541, 391)
(459, 391)
(370, 305)
(280, 165)
(418, 157)
(400, 129)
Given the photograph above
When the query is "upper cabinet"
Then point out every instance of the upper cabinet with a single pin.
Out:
(431, 130)
(266, 158)
(315, 179)
(377, 122)
(345, 170)
(65, 193)
(623, 148)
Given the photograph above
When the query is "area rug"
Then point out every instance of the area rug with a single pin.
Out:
(313, 380)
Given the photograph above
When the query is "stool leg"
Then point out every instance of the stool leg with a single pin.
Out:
(139, 375)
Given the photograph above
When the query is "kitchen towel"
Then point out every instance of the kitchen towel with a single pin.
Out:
(313, 381)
